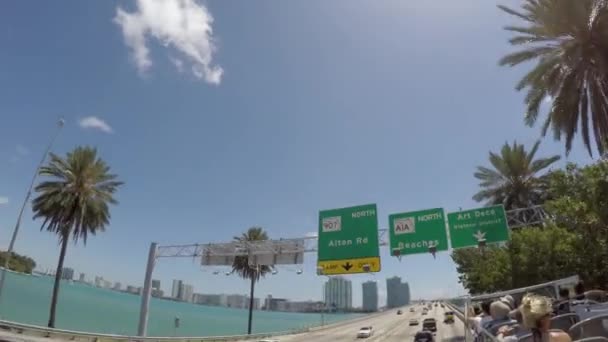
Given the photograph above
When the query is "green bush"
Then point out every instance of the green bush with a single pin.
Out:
(18, 263)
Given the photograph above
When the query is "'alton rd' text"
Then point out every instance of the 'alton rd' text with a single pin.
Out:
(341, 243)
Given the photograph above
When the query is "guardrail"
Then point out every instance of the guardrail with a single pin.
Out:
(27, 330)
(483, 336)
(35, 331)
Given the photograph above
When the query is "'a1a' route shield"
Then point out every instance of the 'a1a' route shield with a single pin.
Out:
(348, 240)
(416, 232)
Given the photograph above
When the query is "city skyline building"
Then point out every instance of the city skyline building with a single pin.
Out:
(236, 301)
(273, 304)
(397, 293)
(185, 293)
(67, 273)
(337, 293)
(370, 296)
(176, 288)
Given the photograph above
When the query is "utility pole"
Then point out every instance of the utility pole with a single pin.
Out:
(11, 245)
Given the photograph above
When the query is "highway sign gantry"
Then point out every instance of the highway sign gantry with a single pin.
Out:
(415, 232)
(348, 240)
(469, 228)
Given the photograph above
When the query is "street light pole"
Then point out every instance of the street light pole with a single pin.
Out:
(11, 245)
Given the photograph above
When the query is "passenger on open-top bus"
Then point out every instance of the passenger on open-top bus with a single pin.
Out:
(536, 313)
(563, 302)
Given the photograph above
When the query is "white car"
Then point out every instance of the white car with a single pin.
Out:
(365, 332)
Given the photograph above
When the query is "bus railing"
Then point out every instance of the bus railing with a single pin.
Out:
(461, 305)
(481, 336)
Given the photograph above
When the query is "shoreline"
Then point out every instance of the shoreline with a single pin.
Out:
(21, 332)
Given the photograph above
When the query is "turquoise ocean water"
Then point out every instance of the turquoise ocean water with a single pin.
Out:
(26, 299)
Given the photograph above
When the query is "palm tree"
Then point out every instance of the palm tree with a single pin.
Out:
(244, 269)
(74, 202)
(569, 41)
(514, 180)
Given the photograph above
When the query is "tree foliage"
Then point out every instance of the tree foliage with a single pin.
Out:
(74, 201)
(18, 263)
(241, 264)
(244, 268)
(580, 203)
(534, 255)
(514, 179)
(569, 42)
(573, 240)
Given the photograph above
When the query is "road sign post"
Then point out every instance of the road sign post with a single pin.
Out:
(417, 232)
(348, 240)
(476, 227)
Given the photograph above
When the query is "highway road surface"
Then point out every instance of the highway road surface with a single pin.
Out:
(387, 326)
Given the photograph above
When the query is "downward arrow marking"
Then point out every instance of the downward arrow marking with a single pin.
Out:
(347, 266)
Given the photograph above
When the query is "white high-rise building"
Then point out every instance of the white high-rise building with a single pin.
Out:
(176, 289)
(185, 293)
(237, 301)
(98, 281)
(338, 293)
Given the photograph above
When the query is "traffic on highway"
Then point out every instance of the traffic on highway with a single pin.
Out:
(417, 323)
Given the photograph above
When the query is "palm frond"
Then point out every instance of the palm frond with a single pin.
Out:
(514, 12)
(242, 265)
(525, 55)
(74, 198)
(569, 42)
(514, 180)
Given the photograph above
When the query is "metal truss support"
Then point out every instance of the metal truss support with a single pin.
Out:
(525, 217)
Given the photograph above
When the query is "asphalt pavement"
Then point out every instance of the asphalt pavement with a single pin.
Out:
(387, 327)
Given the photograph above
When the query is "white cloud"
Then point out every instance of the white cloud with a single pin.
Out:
(3, 200)
(179, 64)
(183, 25)
(311, 234)
(94, 122)
(22, 150)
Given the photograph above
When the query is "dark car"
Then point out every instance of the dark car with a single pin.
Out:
(429, 324)
(424, 336)
(399, 312)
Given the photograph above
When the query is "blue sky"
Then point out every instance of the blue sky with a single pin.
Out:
(257, 113)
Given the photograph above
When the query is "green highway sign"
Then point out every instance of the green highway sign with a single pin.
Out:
(415, 232)
(468, 228)
(348, 240)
